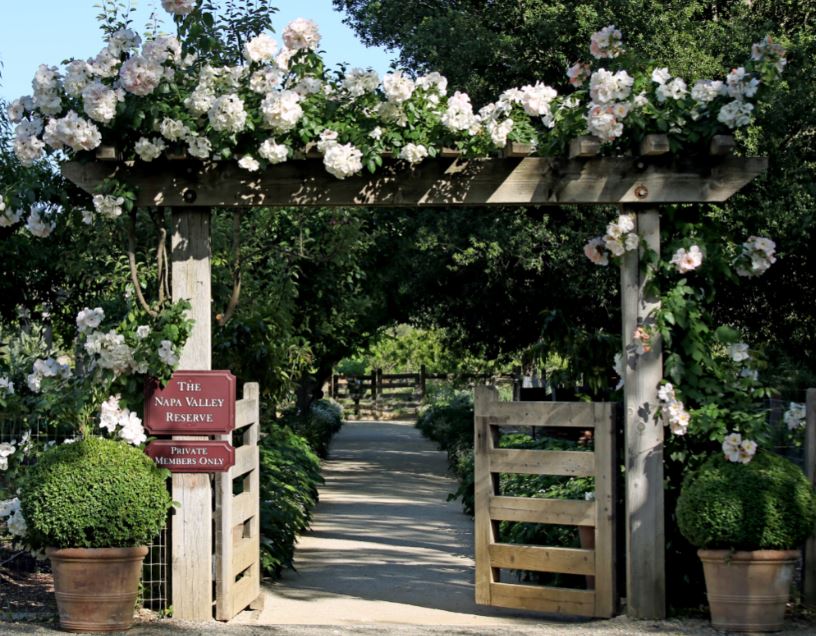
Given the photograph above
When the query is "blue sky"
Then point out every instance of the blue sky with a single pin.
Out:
(33, 32)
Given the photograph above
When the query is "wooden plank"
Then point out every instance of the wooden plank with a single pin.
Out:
(244, 554)
(584, 147)
(243, 507)
(484, 491)
(245, 591)
(568, 512)
(645, 533)
(541, 462)
(400, 376)
(606, 601)
(245, 460)
(543, 599)
(245, 413)
(191, 522)
(516, 149)
(542, 558)
(810, 469)
(440, 182)
(566, 414)
(654, 145)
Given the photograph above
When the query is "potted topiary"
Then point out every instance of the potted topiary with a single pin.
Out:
(95, 504)
(748, 521)
(94, 501)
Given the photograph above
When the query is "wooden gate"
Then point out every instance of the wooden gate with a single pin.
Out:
(491, 506)
(237, 515)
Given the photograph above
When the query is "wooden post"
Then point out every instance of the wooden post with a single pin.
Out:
(333, 389)
(486, 486)
(810, 470)
(374, 385)
(645, 532)
(423, 374)
(192, 540)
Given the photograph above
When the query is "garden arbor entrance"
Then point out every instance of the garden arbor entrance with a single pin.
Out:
(637, 184)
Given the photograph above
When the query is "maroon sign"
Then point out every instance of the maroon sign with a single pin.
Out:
(192, 403)
(192, 457)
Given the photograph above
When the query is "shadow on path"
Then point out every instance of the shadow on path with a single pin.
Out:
(385, 545)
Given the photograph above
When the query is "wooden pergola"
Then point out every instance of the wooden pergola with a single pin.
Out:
(638, 184)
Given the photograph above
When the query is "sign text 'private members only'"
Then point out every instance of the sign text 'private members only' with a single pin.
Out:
(192, 403)
(192, 457)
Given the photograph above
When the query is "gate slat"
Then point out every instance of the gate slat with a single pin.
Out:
(534, 510)
(543, 599)
(243, 507)
(555, 414)
(244, 554)
(245, 411)
(245, 460)
(542, 559)
(541, 462)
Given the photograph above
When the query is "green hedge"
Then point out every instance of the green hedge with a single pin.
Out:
(290, 452)
(290, 476)
(94, 493)
(765, 504)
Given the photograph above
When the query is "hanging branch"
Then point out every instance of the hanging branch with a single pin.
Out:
(161, 256)
(224, 318)
(134, 272)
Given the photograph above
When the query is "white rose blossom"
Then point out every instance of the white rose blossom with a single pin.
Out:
(37, 223)
(227, 114)
(140, 75)
(794, 417)
(459, 115)
(301, 34)
(6, 450)
(149, 149)
(72, 131)
(265, 80)
(260, 49)
(738, 450)
(756, 257)
(199, 147)
(99, 102)
(249, 163)
(398, 87)
(179, 7)
(413, 153)
(606, 87)
(273, 152)
(687, 260)
(606, 43)
(89, 319)
(108, 205)
(358, 82)
(9, 216)
(173, 129)
(167, 353)
(595, 250)
(343, 160)
(6, 386)
(282, 111)
(739, 352)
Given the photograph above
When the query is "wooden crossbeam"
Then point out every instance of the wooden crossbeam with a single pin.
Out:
(434, 183)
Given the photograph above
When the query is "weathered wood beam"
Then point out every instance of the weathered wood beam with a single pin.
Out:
(809, 597)
(192, 520)
(643, 434)
(434, 183)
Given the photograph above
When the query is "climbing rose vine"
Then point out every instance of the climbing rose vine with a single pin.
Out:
(161, 95)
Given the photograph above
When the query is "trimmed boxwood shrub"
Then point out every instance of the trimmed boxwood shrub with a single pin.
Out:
(94, 493)
(765, 504)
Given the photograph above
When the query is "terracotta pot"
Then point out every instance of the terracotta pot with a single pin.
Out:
(747, 591)
(96, 588)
